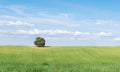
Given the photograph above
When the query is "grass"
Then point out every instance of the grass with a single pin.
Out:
(59, 59)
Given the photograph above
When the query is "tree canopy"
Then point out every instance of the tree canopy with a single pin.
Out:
(39, 42)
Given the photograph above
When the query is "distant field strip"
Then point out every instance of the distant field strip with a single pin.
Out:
(60, 59)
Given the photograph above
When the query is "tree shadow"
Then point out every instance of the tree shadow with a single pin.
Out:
(44, 47)
(47, 46)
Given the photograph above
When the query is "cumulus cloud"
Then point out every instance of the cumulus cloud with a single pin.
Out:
(74, 25)
(53, 32)
(72, 35)
(116, 39)
(103, 22)
(81, 33)
(52, 38)
(110, 22)
(16, 8)
(105, 34)
(15, 23)
(65, 15)
(35, 31)
(49, 32)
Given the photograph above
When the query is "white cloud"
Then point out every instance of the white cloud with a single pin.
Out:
(81, 33)
(74, 25)
(79, 38)
(15, 23)
(109, 22)
(103, 22)
(17, 8)
(35, 31)
(64, 19)
(4, 31)
(53, 32)
(72, 34)
(116, 39)
(104, 34)
(49, 32)
(52, 38)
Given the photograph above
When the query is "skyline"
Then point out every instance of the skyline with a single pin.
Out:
(60, 22)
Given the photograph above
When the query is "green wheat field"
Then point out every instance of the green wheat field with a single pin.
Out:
(60, 59)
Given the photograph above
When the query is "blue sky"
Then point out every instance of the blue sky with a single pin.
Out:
(60, 22)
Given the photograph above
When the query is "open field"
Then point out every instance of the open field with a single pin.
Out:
(59, 59)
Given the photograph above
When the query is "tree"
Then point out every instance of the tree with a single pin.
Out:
(39, 42)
